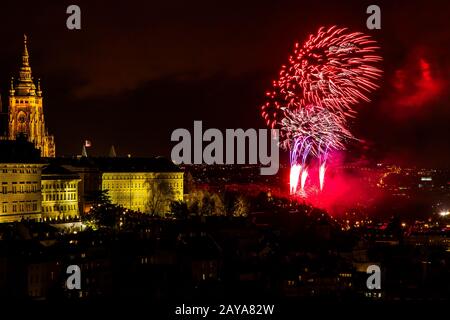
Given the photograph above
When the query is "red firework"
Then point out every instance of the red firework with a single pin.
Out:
(333, 69)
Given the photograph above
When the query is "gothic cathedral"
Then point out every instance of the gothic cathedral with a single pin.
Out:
(26, 113)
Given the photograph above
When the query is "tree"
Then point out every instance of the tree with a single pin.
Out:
(103, 216)
(206, 203)
(159, 194)
(98, 197)
(241, 207)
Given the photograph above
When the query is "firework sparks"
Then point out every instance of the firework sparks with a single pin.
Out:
(322, 170)
(303, 180)
(333, 68)
(311, 132)
(315, 94)
(313, 129)
(293, 178)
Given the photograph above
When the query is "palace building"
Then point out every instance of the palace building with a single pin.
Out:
(26, 110)
(20, 179)
(59, 188)
(150, 192)
(147, 185)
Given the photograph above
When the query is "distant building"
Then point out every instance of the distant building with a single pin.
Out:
(147, 185)
(26, 113)
(90, 176)
(62, 188)
(150, 192)
(20, 178)
(59, 193)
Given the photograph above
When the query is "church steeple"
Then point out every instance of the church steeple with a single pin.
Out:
(25, 85)
(25, 70)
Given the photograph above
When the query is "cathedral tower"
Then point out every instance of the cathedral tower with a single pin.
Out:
(26, 114)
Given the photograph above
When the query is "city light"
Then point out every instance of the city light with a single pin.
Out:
(444, 213)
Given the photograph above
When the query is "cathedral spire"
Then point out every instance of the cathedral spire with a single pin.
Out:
(25, 70)
(25, 55)
(25, 85)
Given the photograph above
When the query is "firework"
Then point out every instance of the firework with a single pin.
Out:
(333, 68)
(273, 109)
(293, 178)
(311, 132)
(314, 96)
(322, 170)
(303, 180)
(314, 130)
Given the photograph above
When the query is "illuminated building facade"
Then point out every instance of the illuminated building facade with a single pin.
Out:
(59, 193)
(147, 185)
(26, 113)
(20, 179)
(150, 192)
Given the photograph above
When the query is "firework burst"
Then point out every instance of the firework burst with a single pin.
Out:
(311, 132)
(315, 94)
(333, 68)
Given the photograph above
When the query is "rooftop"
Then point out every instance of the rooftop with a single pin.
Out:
(18, 151)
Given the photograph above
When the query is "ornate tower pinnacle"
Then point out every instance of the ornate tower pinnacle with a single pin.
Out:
(25, 70)
(11, 90)
(39, 91)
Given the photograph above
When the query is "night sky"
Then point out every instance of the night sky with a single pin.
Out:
(140, 69)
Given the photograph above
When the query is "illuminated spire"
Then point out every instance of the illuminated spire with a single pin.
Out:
(25, 84)
(25, 70)
(25, 55)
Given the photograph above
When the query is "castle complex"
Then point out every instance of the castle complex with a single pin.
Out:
(35, 185)
(26, 111)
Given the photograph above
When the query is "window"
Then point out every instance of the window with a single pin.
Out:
(5, 207)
